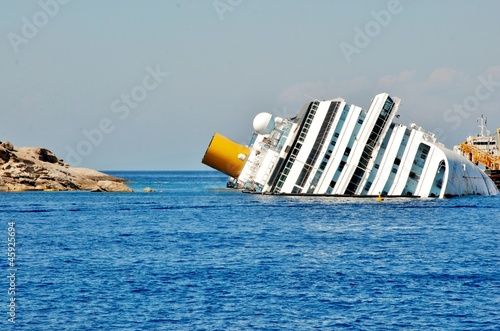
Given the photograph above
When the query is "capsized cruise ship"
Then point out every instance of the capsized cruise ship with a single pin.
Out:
(335, 148)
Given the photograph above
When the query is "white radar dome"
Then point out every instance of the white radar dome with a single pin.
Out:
(263, 123)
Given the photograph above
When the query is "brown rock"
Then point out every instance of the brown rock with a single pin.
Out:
(28, 168)
(27, 181)
(4, 154)
(45, 155)
(109, 186)
(70, 185)
(8, 146)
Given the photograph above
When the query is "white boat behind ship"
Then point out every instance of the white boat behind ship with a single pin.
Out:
(335, 148)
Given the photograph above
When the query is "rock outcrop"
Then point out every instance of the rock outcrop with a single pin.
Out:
(39, 169)
(111, 186)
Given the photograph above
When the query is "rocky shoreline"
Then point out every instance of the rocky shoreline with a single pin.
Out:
(39, 169)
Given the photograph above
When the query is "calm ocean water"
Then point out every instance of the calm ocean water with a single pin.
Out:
(194, 256)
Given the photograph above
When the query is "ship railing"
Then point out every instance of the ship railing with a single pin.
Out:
(477, 155)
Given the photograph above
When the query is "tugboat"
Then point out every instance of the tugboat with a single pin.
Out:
(332, 148)
(483, 149)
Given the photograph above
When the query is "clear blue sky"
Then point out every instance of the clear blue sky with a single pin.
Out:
(145, 84)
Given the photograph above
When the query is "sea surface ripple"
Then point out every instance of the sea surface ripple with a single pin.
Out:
(195, 256)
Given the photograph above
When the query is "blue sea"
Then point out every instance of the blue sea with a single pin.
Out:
(196, 256)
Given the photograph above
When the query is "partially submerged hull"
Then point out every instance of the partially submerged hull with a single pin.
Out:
(334, 148)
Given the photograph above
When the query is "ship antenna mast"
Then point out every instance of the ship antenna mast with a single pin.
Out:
(483, 121)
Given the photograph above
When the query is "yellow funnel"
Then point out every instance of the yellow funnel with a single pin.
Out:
(225, 155)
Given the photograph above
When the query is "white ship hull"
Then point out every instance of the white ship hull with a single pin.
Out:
(333, 148)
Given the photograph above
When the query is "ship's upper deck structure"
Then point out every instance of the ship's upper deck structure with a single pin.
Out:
(336, 148)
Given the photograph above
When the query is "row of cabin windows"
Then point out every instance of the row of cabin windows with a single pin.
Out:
(298, 145)
(484, 143)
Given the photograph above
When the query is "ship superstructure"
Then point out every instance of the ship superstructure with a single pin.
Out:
(483, 149)
(335, 148)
